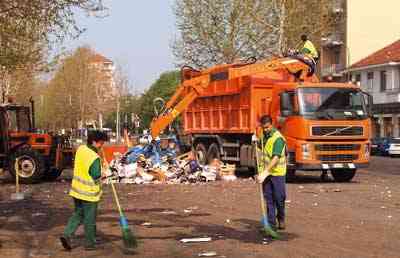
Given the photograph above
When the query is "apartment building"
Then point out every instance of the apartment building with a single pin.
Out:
(357, 29)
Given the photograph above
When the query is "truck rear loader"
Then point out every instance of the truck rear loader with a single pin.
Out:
(326, 125)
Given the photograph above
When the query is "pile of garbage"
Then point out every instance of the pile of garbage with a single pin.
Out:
(152, 163)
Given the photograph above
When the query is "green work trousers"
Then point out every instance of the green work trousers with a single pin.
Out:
(86, 213)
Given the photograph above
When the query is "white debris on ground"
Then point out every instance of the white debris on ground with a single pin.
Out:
(145, 164)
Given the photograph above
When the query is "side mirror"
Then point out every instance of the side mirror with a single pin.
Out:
(286, 104)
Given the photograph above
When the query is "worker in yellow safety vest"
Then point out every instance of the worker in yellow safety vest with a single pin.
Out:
(85, 190)
(308, 49)
(273, 175)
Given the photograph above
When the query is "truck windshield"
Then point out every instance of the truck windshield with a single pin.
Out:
(331, 103)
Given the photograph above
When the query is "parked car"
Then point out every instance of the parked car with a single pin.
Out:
(375, 143)
(380, 146)
(394, 147)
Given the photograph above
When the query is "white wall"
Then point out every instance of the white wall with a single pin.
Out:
(392, 82)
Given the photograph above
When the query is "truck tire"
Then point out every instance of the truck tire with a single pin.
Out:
(52, 174)
(201, 153)
(290, 175)
(343, 174)
(31, 165)
(213, 153)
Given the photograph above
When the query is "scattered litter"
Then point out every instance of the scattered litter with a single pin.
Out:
(337, 190)
(315, 195)
(390, 196)
(315, 204)
(389, 192)
(38, 214)
(207, 254)
(169, 212)
(154, 162)
(228, 221)
(288, 201)
(390, 216)
(383, 207)
(266, 241)
(187, 211)
(301, 187)
(196, 240)
(146, 224)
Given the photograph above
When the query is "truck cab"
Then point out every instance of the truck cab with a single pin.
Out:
(326, 126)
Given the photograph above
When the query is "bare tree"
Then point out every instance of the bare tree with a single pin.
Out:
(222, 31)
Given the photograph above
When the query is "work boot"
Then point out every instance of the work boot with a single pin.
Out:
(66, 243)
(281, 224)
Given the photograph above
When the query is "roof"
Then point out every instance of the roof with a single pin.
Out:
(97, 58)
(385, 55)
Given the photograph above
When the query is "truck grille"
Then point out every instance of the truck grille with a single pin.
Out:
(337, 158)
(337, 130)
(337, 147)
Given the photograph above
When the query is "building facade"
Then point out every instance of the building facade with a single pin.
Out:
(379, 75)
(357, 28)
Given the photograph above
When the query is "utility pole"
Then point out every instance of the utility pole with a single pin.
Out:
(118, 122)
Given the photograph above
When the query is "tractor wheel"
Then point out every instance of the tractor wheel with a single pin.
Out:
(52, 174)
(30, 165)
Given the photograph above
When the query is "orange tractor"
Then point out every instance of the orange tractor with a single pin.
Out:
(37, 156)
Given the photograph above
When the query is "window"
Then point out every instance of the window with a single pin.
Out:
(383, 80)
(358, 79)
(370, 80)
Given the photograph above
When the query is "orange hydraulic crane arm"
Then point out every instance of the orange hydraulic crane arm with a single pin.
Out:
(179, 102)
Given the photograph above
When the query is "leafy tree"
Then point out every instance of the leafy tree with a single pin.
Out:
(77, 93)
(29, 27)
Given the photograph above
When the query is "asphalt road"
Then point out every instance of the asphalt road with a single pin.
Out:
(324, 219)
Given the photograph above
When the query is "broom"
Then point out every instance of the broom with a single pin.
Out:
(128, 237)
(267, 229)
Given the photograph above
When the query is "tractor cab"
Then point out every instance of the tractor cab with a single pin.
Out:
(24, 151)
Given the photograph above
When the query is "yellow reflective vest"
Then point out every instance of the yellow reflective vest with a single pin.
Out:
(83, 186)
(266, 157)
(309, 49)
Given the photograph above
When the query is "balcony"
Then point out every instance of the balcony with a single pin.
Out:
(333, 40)
(332, 70)
(337, 6)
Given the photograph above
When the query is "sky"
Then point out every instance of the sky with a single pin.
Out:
(136, 35)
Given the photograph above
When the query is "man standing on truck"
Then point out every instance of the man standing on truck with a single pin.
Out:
(85, 190)
(273, 175)
(308, 49)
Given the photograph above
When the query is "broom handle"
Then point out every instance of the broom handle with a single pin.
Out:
(116, 199)
(16, 166)
(112, 185)
(263, 208)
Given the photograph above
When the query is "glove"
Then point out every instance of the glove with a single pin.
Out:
(254, 138)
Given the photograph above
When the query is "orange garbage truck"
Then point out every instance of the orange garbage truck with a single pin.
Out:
(326, 125)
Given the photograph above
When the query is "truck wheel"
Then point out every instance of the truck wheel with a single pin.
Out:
(52, 174)
(213, 153)
(290, 175)
(343, 174)
(201, 153)
(30, 165)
